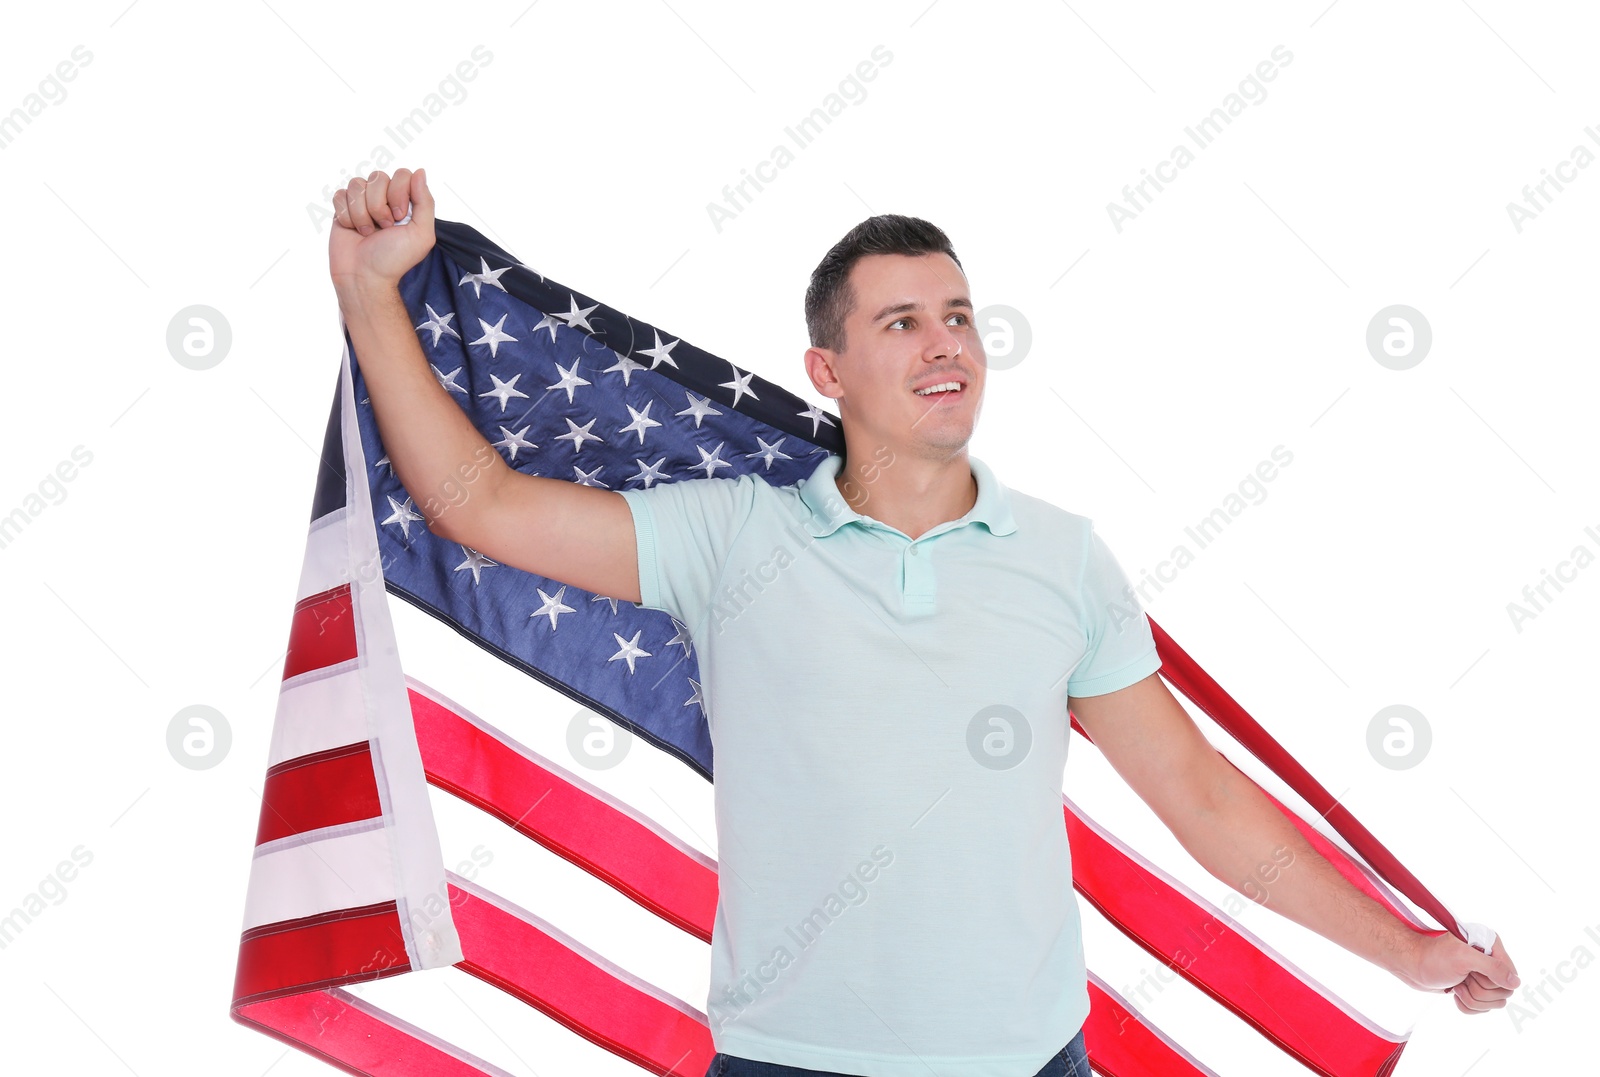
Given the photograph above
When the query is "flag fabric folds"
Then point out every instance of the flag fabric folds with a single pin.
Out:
(348, 882)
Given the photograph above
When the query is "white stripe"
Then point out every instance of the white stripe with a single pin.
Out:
(422, 1034)
(327, 560)
(318, 711)
(343, 872)
(581, 784)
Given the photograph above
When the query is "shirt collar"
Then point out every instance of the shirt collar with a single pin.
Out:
(828, 511)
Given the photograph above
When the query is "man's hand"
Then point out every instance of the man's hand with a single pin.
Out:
(1481, 982)
(368, 248)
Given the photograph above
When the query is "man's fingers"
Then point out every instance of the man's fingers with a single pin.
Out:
(422, 199)
(399, 193)
(1483, 989)
(378, 199)
(356, 205)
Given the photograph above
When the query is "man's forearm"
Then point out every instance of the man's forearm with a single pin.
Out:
(1245, 841)
(436, 452)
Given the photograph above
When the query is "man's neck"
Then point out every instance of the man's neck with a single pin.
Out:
(909, 493)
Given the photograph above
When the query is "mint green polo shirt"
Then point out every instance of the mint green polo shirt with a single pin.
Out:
(889, 725)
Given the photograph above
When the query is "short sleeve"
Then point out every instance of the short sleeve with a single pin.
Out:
(1121, 649)
(684, 531)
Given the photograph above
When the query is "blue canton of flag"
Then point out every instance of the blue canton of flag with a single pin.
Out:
(566, 387)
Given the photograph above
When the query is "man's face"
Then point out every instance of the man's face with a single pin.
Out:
(911, 327)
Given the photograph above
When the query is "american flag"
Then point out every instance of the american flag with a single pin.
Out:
(348, 883)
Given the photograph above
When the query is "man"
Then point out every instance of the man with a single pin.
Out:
(895, 884)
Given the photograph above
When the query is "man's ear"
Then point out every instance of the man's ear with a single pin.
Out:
(822, 369)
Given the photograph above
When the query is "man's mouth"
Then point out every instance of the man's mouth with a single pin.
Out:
(947, 389)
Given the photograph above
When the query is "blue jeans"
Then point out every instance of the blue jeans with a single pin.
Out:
(1071, 1061)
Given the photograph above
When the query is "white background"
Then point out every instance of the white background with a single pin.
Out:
(1167, 360)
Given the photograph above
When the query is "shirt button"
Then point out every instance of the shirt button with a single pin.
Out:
(913, 551)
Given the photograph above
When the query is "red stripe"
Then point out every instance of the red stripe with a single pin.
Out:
(1121, 1044)
(356, 1038)
(322, 789)
(1198, 945)
(523, 960)
(565, 818)
(322, 633)
(328, 950)
(1187, 676)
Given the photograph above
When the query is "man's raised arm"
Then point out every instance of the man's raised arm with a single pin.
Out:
(577, 534)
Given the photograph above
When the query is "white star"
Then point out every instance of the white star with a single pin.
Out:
(630, 649)
(553, 607)
(699, 407)
(605, 598)
(475, 561)
(503, 391)
(569, 379)
(696, 698)
(649, 472)
(439, 324)
(661, 353)
(682, 637)
(383, 462)
(549, 322)
(402, 515)
(739, 385)
(448, 381)
(641, 420)
(493, 336)
(626, 365)
(487, 276)
(769, 452)
(816, 414)
(712, 460)
(575, 318)
(516, 441)
(587, 478)
(576, 434)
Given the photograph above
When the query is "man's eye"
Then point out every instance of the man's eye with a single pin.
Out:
(961, 317)
(896, 322)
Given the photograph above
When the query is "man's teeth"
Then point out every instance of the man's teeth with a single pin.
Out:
(939, 388)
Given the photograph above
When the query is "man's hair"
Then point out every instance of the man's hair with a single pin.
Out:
(829, 297)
